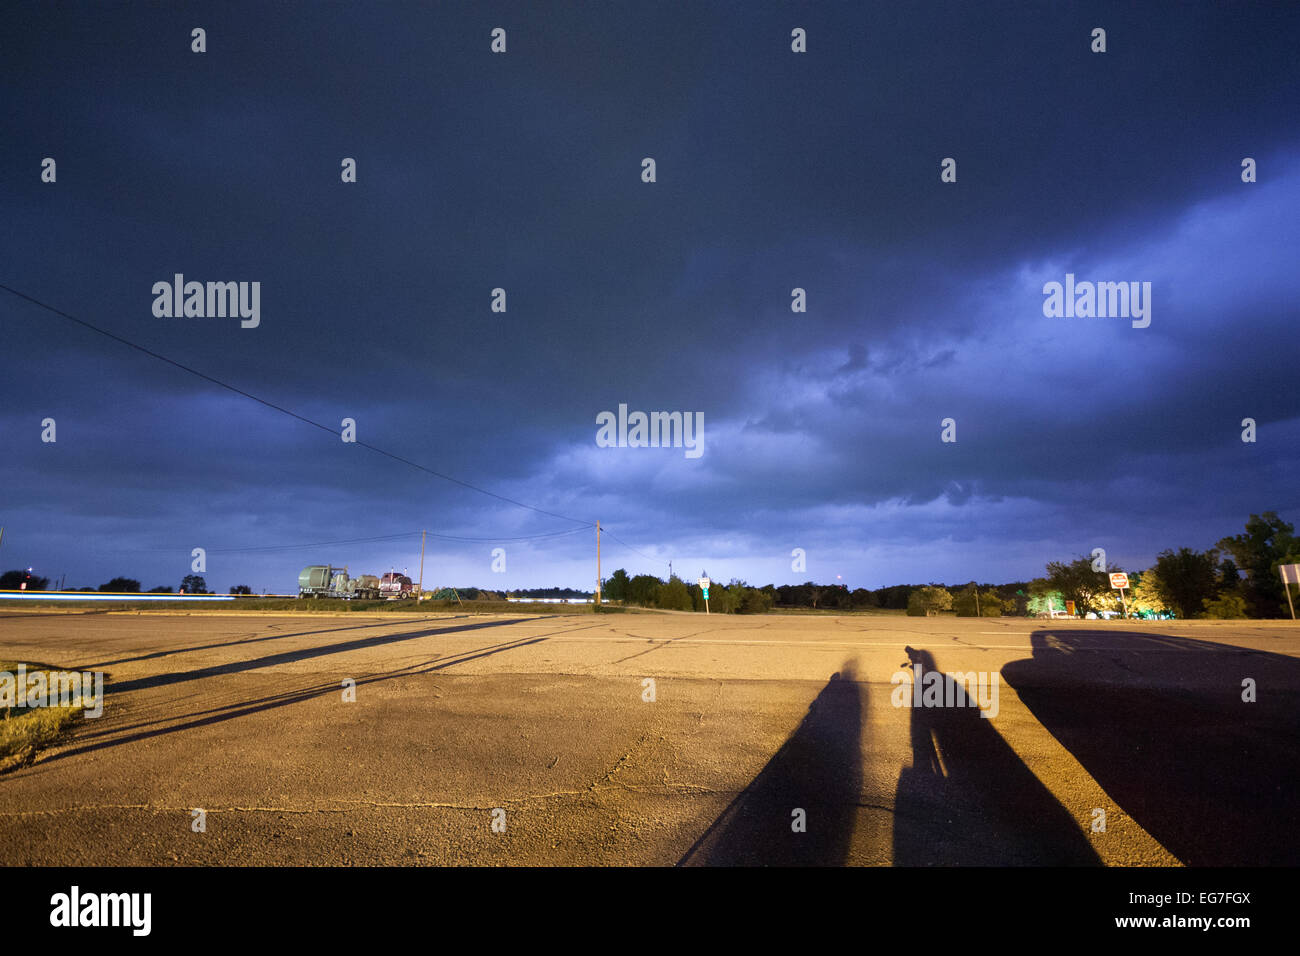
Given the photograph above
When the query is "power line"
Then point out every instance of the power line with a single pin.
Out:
(282, 410)
(605, 531)
(405, 534)
(328, 544)
(303, 547)
(524, 537)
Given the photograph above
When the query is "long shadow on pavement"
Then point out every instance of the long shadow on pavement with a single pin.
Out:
(1160, 724)
(301, 654)
(969, 800)
(252, 639)
(243, 708)
(819, 770)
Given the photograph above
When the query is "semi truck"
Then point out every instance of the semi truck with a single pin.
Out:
(326, 581)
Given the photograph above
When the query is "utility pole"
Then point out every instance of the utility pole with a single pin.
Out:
(977, 598)
(598, 564)
(419, 594)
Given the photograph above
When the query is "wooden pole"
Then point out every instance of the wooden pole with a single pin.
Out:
(597, 563)
(419, 594)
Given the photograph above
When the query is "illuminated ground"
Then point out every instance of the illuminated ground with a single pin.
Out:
(753, 719)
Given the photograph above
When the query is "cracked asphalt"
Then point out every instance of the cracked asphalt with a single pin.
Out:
(769, 740)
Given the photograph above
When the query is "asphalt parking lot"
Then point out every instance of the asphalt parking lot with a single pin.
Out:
(660, 739)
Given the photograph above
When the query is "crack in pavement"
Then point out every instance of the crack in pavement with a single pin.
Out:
(671, 790)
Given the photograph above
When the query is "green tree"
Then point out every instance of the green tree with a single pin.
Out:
(1267, 542)
(1225, 607)
(1078, 582)
(193, 584)
(1015, 598)
(673, 595)
(895, 597)
(1042, 598)
(1146, 594)
(241, 589)
(1229, 576)
(13, 581)
(742, 599)
(862, 598)
(928, 600)
(1186, 578)
(122, 585)
(836, 596)
(616, 587)
(754, 601)
(965, 604)
(644, 590)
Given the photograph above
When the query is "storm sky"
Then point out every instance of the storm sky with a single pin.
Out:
(523, 171)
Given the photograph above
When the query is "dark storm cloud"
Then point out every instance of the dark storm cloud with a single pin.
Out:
(774, 171)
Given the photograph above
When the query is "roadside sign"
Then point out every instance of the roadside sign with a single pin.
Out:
(704, 583)
(1290, 575)
(1069, 608)
(1118, 582)
(706, 594)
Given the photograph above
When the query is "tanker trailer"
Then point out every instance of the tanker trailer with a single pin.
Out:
(316, 581)
(365, 588)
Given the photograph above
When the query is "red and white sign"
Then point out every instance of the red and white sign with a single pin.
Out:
(1119, 580)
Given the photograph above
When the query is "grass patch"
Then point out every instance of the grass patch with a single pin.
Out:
(26, 731)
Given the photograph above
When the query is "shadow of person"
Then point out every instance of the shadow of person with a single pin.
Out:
(968, 799)
(1159, 722)
(818, 771)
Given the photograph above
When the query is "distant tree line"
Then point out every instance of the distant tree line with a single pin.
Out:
(1238, 578)
(646, 590)
(565, 594)
(14, 580)
(465, 594)
(190, 584)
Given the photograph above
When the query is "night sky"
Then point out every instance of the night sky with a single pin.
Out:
(523, 171)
